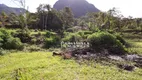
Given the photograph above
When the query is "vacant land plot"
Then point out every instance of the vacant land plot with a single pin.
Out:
(43, 66)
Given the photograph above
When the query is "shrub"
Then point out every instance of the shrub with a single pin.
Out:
(2, 52)
(51, 40)
(120, 39)
(4, 34)
(70, 30)
(7, 41)
(104, 40)
(50, 34)
(84, 34)
(81, 33)
(13, 43)
(33, 41)
(72, 37)
(24, 35)
(33, 48)
(87, 32)
(1, 40)
(111, 31)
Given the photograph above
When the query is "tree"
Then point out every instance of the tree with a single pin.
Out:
(67, 17)
(3, 19)
(22, 3)
(49, 18)
(48, 8)
(113, 18)
(40, 12)
(23, 17)
(21, 21)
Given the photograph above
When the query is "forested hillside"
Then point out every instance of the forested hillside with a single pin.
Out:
(8, 10)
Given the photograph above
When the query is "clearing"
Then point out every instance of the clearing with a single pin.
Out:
(43, 66)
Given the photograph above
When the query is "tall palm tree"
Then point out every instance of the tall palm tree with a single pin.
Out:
(48, 7)
(47, 14)
(41, 12)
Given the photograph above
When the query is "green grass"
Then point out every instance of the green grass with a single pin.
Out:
(135, 41)
(41, 32)
(133, 36)
(135, 46)
(43, 66)
(32, 31)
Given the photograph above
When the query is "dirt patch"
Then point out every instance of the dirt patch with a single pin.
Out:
(103, 56)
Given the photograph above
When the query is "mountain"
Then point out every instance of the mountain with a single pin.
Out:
(9, 10)
(79, 7)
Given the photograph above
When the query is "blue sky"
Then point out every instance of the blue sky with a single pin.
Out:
(127, 7)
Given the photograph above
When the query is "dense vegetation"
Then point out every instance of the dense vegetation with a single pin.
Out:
(62, 26)
(103, 40)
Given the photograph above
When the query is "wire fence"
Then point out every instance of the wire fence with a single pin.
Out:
(74, 45)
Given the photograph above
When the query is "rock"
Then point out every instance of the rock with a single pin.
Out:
(67, 56)
(135, 58)
(138, 65)
(79, 7)
(104, 52)
(85, 57)
(126, 67)
(117, 58)
(56, 54)
(129, 68)
(132, 57)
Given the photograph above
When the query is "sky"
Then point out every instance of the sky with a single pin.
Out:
(126, 7)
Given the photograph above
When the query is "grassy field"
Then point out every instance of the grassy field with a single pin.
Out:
(136, 47)
(135, 41)
(43, 66)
